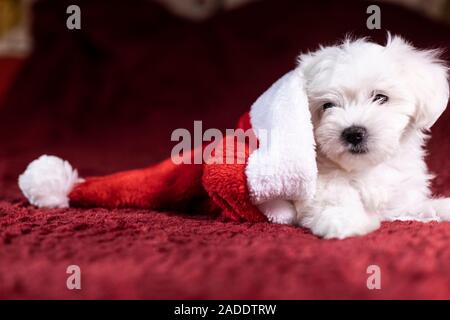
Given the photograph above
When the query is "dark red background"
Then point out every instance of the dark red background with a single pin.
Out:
(108, 97)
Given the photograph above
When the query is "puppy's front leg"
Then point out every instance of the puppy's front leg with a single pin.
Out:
(336, 211)
(279, 211)
(439, 207)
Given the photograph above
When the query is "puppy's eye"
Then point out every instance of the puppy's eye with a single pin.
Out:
(328, 105)
(380, 98)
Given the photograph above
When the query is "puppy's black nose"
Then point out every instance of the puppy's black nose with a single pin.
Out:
(354, 135)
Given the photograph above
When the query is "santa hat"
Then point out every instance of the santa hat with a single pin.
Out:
(282, 167)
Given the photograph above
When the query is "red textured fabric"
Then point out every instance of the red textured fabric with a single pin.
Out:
(107, 99)
(164, 186)
(226, 182)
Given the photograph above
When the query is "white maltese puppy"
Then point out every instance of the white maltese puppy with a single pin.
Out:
(371, 106)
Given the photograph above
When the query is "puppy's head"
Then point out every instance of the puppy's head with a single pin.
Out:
(365, 97)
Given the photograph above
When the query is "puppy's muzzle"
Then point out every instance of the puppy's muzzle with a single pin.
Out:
(355, 137)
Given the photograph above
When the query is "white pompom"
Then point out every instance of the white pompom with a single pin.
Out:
(47, 182)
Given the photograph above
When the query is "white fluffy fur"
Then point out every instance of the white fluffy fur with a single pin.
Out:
(47, 182)
(390, 181)
(277, 170)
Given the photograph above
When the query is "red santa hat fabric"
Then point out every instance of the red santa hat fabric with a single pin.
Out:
(282, 167)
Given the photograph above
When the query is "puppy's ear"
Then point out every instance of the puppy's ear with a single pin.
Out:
(427, 77)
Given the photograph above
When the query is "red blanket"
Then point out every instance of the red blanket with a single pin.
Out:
(107, 98)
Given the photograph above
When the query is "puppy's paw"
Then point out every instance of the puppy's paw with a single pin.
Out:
(373, 197)
(441, 208)
(281, 218)
(279, 211)
(340, 223)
